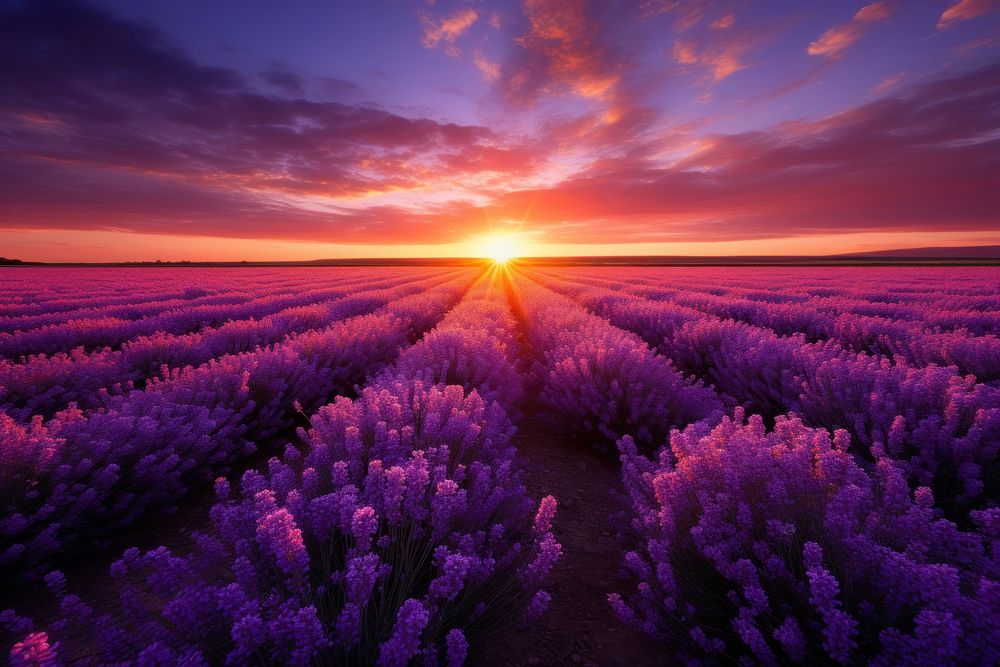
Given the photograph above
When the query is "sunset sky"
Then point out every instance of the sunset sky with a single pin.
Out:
(245, 129)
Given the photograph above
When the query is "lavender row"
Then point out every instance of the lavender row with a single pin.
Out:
(942, 428)
(401, 533)
(966, 339)
(13, 325)
(775, 547)
(917, 339)
(232, 294)
(818, 317)
(973, 288)
(599, 382)
(43, 385)
(79, 476)
(111, 331)
(475, 346)
(31, 291)
(974, 355)
(97, 307)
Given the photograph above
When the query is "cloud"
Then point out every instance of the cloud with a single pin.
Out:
(964, 10)
(686, 14)
(835, 41)
(722, 58)
(102, 120)
(104, 124)
(720, 54)
(717, 48)
(927, 159)
(723, 22)
(447, 30)
(888, 83)
(490, 70)
(986, 42)
(103, 199)
(565, 47)
(881, 10)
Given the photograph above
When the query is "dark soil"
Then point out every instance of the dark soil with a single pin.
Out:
(579, 626)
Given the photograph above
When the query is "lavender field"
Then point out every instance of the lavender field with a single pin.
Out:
(502, 465)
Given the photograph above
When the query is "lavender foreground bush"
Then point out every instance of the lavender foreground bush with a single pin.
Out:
(402, 531)
(777, 547)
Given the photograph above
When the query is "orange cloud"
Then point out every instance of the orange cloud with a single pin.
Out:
(489, 70)
(684, 53)
(875, 12)
(447, 30)
(975, 45)
(835, 41)
(723, 22)
(563, 46)
(722, 60)
(963, 10)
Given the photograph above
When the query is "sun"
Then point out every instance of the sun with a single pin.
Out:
(501, 248)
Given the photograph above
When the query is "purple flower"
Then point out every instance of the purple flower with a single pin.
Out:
(537, 607)
(458, 648)
(281, 539)
(405, 640)
(364, 523)
(453, 571)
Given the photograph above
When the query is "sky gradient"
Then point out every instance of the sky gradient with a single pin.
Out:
(243, 129)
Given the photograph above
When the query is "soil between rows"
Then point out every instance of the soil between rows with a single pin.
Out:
(579, 626)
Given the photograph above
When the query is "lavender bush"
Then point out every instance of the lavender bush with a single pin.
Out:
(852, 520)
(475, 346)
(402, 531)
(600, 382)
(777, 547)
(100, 330)
(943, 428)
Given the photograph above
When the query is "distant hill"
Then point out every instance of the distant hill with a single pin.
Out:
(4, 261)
(964, 252)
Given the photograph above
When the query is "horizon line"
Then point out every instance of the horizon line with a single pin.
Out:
(969, 255)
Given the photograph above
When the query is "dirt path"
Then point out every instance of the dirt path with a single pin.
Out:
(579, 626)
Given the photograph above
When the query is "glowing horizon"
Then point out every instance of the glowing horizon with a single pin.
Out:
(60, 246)
(328, 130)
